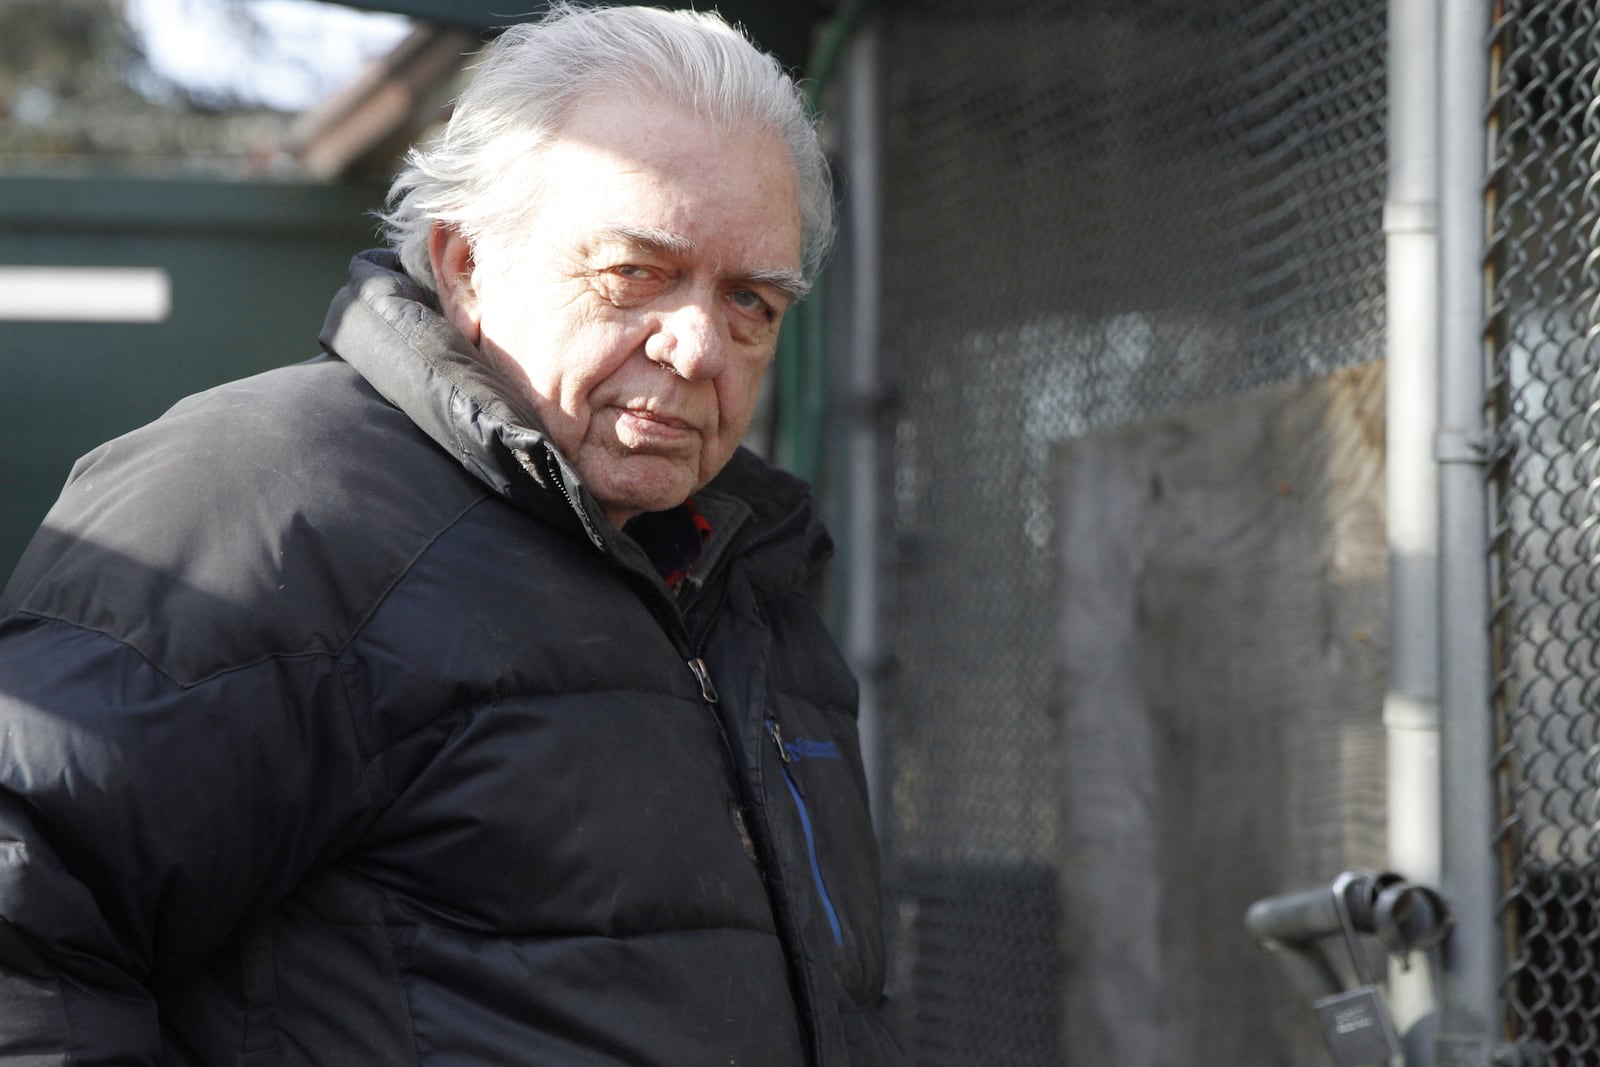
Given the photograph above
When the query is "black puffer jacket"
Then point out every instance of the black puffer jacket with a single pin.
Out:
(336, 728)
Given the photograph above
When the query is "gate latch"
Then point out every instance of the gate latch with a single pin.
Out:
(1356, 1023)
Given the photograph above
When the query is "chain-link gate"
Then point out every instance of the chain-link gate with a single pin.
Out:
(1096, 212)
(1545, 316)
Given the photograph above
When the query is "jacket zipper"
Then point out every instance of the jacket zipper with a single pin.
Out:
(703, 675)
(708, 693)
(786, 761)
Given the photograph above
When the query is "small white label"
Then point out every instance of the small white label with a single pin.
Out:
(1348, 1020)
(85, 294)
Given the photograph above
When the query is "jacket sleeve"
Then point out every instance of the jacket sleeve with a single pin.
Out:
(142, 820)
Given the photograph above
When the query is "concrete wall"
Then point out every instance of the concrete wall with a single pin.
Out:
(1222, 658)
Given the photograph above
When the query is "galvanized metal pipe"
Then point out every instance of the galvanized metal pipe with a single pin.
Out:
(863, 388)
(1474, 955)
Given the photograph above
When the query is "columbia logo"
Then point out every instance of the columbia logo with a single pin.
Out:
(803, 748)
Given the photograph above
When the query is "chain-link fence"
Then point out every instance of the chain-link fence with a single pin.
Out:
(1545, 313)
(1096, 212)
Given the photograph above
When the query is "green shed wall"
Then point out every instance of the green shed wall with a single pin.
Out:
(252, 268)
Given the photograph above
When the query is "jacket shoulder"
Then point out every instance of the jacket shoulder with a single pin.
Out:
(263, 517)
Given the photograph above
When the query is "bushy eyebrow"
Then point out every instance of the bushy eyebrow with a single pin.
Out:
(791, 283)
(650, 239)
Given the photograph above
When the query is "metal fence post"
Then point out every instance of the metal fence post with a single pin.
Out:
(863, 391)
(1473, 957)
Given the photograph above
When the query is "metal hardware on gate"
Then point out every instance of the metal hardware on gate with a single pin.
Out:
(1356, 1024)
(1405, 917)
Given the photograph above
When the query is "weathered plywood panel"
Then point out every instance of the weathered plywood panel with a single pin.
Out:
(1223, 620)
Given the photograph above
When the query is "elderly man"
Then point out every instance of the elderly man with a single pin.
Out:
(454, 697)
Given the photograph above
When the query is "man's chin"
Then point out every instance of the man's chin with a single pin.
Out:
(646, 483)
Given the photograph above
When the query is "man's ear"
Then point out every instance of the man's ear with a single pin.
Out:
(450, 255)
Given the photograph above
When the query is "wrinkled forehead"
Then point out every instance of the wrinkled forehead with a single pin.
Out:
(617, 165)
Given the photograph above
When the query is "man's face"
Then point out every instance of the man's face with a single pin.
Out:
(640, 304)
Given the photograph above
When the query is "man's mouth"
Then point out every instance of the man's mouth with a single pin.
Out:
(638, 426)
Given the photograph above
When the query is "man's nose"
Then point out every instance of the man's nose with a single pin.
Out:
(689, 342)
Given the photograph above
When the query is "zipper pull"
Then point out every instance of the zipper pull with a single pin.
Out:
(777, 739)
(703, 676)
(785, 756)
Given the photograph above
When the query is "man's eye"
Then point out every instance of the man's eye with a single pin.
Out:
(749, 300)
(632, 271)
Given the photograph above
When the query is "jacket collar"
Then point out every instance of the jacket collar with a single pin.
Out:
(391, 331)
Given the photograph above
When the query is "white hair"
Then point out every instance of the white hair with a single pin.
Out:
(475, 176)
